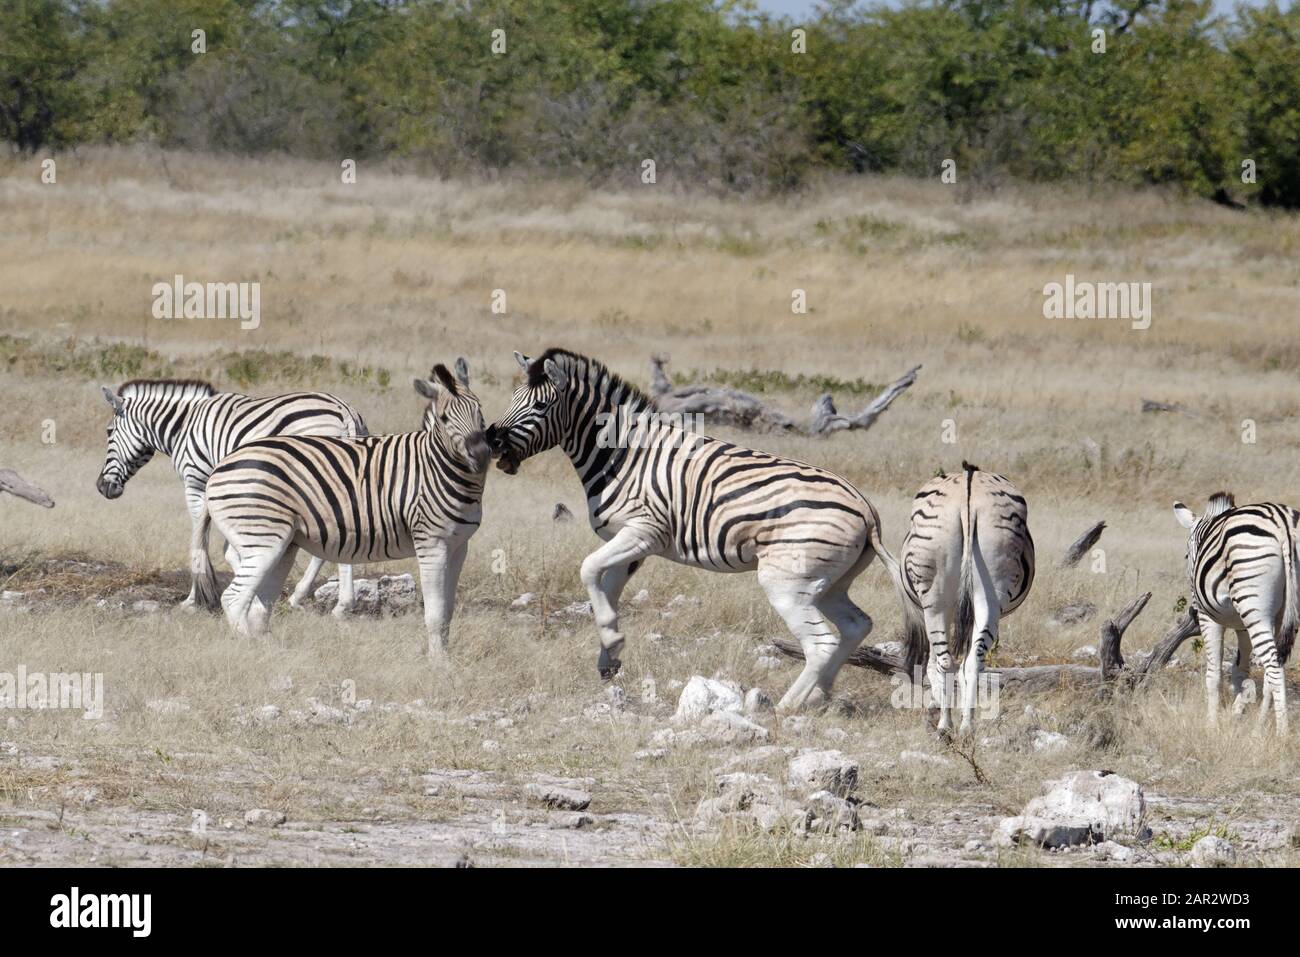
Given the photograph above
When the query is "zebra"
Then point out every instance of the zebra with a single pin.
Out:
(197, 426)
(1241, 562)
(697, 501)
(967, 561)
(371, 499)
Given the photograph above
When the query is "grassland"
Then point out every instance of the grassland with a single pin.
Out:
(366, 285)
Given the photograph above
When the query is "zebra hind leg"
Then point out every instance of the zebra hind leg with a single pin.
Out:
(795, 599)
(268, 592)
(1212, 632)
(625, 549)
(1241, 695)
(939, 669)
(256, 562)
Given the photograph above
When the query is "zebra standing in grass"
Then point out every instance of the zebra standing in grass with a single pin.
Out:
(967, 561)
(1242, 566)
(197, 427)
(372, 499)
(697, 501)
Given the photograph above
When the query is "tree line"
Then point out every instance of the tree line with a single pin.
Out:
(716, 92)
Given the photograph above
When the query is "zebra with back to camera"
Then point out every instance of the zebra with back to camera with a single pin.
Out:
(1242, 565)
(967, 561)
(372, 499)
(197, 426)
(697, 501)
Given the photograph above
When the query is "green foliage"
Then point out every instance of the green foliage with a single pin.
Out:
(715, 92)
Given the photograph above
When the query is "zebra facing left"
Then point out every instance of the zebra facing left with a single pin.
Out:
(697, 501)
(1242, 566)
(197, 426)
(373, 499)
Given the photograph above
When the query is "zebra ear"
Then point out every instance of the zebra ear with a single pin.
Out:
(462, 371)
(523, 361)
(426, 388)
(558, 377)
(1186, 517)
(113, 399)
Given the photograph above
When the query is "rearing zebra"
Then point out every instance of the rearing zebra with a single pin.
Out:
(197, 427)
(371, 499)
(1242, 566)
(697, 501)
(967, 561)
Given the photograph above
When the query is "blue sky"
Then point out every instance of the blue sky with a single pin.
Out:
(798, 8)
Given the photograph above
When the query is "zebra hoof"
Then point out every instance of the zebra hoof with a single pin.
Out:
(610, 670)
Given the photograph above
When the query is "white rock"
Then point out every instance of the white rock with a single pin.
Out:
(1212, 851)
(572, 819)
(1049, 741)
(567, 799)
(649, 691)
(889, 647)
(727, 727)
(827, 813)
(145, 605)
(1111, 805)
(491, 745)
(641, 597)
(703, 696)
(1110, 851)
(1042, 832)
(523, 600)
(263, 817)
(1085, 652)
(831, 771)
(768, 663)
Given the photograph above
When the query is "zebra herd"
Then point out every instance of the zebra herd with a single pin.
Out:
(301, 471)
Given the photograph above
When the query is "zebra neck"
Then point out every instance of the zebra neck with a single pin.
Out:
(596, 443)
(445, 461)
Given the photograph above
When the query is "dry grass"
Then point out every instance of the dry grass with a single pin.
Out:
(381, 279)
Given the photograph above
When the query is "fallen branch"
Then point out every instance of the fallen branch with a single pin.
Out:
(733, 407)
(1081, 545)
(15, 484)
(1150, 405)
(1036, 679)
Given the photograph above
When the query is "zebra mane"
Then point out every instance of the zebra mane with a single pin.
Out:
(174, 388)
(589, 368)
(1220, 502)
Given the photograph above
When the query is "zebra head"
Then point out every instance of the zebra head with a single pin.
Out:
(1220, 502)
(454, 414)
(538, 416)
(130, 445)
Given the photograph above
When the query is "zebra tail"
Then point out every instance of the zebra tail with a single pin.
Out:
(359, 430)
(207, 594)
(965, 623)
(916, 645)
(1291, 612)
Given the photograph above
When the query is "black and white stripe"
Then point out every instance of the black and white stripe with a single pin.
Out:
(371, 499)
(698, 501)
(1241, 562)
(967, 561)
(196, 426)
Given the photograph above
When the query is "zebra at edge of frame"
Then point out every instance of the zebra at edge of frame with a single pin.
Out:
(1241, 565)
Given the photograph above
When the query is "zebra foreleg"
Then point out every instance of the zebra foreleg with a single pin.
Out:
(303, 590)
(1212, 632)
(440, 566)
(347, 592)
(604, 574)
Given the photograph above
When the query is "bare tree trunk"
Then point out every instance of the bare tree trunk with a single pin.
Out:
(15, 484)
(1081, 545)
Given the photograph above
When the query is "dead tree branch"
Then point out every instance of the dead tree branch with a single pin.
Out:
(1037, 679)
(734, 407)
(15, 484)
(1151, 405)
(1081, 545)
